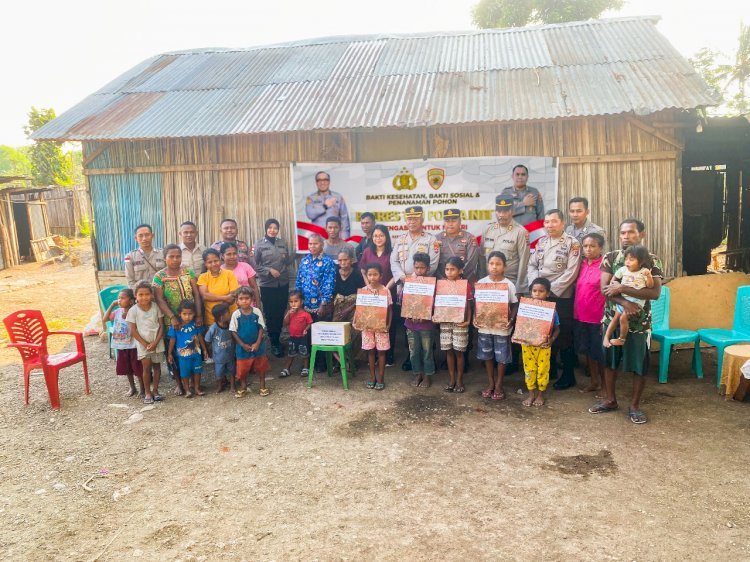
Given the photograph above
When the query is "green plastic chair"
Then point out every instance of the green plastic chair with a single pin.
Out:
(345, 352)
(107, 297)
(740, 332)
(667, 337)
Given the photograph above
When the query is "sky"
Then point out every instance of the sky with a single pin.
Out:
(57, 53)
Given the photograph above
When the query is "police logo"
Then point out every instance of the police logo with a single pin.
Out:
(435, 177)
(404, 180)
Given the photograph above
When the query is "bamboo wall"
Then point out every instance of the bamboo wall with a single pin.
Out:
(623, 165)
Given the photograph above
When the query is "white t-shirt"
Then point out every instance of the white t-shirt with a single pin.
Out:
(147, 322)
(511, 299)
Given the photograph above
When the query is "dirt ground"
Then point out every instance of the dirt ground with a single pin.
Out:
(326, 474)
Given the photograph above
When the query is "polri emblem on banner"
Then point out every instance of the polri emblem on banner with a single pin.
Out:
(435, 177)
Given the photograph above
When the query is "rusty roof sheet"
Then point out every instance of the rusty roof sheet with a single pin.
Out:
(578, 69)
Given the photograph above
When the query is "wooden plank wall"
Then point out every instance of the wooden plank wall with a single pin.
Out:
(621, 164)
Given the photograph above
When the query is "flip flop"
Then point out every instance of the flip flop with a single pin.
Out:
(379, 386)
(264, 392)
(601, 408)
(486, 393)
(450, 388)
(370, 384)
(148, 400)
(459, 388)
(637, 417)
(240, 393)
(498, 396)
(158, 398)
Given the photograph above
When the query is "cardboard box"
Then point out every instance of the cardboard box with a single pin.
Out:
(450, 301)
(331, 333)
(418, 297)
(371, 312)
(491, 305)
(534, 321)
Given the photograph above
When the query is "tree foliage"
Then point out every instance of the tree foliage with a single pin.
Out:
(48, 163)
(14, 161)
(517, 13)
(728, 79)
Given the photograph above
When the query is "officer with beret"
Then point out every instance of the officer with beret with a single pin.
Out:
(528, 205)
(512, 239)
(557, 257)
(456, 242)
(324, 203)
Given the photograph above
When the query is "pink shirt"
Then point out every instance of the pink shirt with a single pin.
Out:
(243, 272)
(589, 302)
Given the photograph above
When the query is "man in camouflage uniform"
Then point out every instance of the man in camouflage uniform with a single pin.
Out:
(456, 242)
(633, 355)
(325, 203)
(142, 264)
(556, 258)
(512, 239)
(528, 205)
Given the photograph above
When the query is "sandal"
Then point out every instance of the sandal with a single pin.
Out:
(601, 408)
(498, 396)
(240, 393)
(284, 373)
(379, 386)
(486, 393)
(158, 398)
(636, 416)
(459, 388)
(148, 400)
(370, 384)
(264, 392)
(450, 388)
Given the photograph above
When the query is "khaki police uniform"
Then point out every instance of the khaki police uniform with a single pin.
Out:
(404, 248)
(463, 246)
(556, 259)
(140, 266)
(513, 241)
(317, 211)
(193, 259)
(588, 228)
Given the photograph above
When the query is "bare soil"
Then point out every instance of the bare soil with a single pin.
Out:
(328, 474)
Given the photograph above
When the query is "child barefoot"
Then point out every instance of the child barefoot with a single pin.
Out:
(186, 341)
(454, 336)
(636, 274)
(222, 347)
(298, 321)
(123, 342)
(247, 327)
(420, 333)
(493, 344)
(536, 359)
(145, 321)
(377, 342)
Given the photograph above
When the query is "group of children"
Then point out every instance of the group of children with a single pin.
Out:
(237, 339)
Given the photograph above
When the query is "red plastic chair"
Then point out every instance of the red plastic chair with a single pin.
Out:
(28, 334)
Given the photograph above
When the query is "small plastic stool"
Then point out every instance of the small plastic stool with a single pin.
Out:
(344, 351)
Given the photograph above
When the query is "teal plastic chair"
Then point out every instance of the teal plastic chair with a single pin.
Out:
(106, 297)
(667, 337)
(740, 332)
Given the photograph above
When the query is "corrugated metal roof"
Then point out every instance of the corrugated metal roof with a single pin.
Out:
(545, 72)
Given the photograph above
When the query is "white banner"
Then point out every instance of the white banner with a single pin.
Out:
(536, 312)
(386, 189)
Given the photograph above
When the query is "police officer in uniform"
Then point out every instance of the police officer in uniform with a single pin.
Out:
(142, 264)
(556, 258)
(325, 203)
(456, 242)
(580, 224)
(414, 241)
(528, 205)
(512, 239)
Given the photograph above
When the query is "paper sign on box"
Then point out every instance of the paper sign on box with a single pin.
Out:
(331, 333)
(491, 304)
(417, 298)
(534, 321)
(450, 301)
